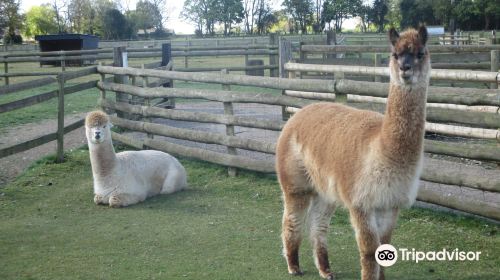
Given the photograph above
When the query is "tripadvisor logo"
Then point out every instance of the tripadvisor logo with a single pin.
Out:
(387, 255)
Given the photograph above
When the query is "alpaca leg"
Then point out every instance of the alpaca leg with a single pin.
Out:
(320, 213)
(368, 241)
(123, 200)
(386, 221)
(175, 181)
(293, 221)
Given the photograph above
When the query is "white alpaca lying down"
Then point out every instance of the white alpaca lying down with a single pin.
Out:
(128, 177)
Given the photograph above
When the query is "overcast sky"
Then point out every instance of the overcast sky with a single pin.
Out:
(174, 7)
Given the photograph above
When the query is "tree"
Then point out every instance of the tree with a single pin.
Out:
(265, 18)
(116, 25)
(257, 13)
(203, 12)
(230, 11)
(378, 14)
(339, 10)
(394, 15)
(249, 11)
(490, 10)
(81, 16)
(144, 15)
(301, 12)
(100, 9)
(40, 20)
(318, 25)
(192, 12)
(364, 12)
(160, 14)
(415, 12)
(58, 6)
(11, 20)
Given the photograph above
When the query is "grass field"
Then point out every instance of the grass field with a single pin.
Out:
(220, 228)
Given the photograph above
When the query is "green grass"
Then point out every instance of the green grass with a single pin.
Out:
(221, 228)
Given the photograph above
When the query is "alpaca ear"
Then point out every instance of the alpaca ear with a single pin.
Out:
(393, 36)
(422, 34)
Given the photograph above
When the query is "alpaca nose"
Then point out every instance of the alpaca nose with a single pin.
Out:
(405, 67)
(97, 135)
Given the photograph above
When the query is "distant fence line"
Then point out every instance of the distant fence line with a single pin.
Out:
(259, 46)
(472, 38)
(107, 54)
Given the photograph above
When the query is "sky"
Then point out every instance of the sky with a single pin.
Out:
(174, 6)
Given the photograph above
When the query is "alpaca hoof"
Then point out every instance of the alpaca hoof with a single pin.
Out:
(296, 273)
(98, 199)
(330, 276)
(115, 202)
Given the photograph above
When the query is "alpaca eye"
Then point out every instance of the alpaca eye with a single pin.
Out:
(420, 55)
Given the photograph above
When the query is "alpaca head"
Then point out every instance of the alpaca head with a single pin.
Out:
(97, 127)
(410, 60)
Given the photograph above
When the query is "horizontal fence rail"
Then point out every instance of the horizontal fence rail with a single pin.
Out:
(436, 74)
(27, 85)
(24, 146)
(265, 82)
(220, 96)
(386, 48)
(42, 97)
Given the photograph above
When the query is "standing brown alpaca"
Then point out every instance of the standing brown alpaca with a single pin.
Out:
(329, 155)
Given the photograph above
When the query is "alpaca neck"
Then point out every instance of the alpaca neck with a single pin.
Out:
(404, 122)
(102, 158)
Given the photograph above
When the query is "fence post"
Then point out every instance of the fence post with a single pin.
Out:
(120, 60)
(216, 46)
(102, 91)
(63, 63)
(6, 70)
(302, 57)
(166, 58)
(331, 39)
(377, 59)
(228, 110)
(60, 119)
(273, 58)
(246, 56)
(186, 51)
(494, 54)
(147, 100)
(285, 55)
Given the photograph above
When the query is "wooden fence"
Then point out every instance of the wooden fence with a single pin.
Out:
(470, 57)
(472, 121)
(63, 57)
(454, 173)
(59, 93)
